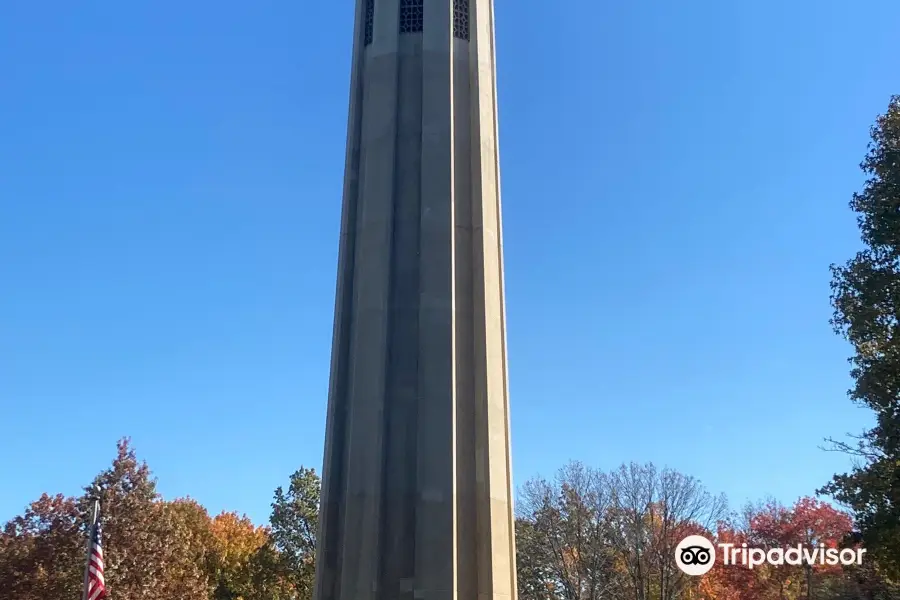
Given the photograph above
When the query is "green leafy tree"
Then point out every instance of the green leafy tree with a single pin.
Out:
(270, 576)
(866, 301)
(536, 580)
(294, 525)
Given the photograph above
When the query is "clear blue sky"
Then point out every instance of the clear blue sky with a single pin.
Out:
(675, 185)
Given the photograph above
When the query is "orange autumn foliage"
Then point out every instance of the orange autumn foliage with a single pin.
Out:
(808, 522)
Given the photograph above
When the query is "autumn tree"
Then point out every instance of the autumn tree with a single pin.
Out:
(564, 549)
(725, 582)
(42, 551)
(653, 511)
(816, 523)
(237, 548)
(809, 523)
(236, 558)
(866, 301)
(159, 549)
(189, 531)
(152, 549)
(144, 554)
(591, 535)
(294, 525)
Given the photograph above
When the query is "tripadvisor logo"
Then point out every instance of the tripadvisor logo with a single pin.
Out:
(695, 555)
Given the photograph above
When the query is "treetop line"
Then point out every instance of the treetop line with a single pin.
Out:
(584, 534)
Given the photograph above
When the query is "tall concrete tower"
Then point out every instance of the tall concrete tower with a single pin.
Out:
(416, 493)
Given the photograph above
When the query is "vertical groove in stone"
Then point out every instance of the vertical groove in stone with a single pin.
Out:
(333, 471)
(435, 519)
(399, 498)
(415, 84)
(482, 455)
(360, 568)
(466, 509)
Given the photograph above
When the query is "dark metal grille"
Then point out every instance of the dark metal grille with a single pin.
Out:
(411, 16)
(369, 22)
(461, 19)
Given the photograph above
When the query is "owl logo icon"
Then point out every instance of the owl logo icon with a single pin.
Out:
(695, 555)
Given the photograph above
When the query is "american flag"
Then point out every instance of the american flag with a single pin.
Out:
(95, 588)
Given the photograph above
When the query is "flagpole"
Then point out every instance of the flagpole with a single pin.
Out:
(87, 565)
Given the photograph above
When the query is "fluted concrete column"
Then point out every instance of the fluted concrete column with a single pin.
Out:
(417, 492)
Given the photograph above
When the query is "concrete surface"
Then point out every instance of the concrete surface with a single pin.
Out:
(417, 495)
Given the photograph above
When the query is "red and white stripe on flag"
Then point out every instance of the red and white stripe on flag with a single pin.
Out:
(96, 583)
